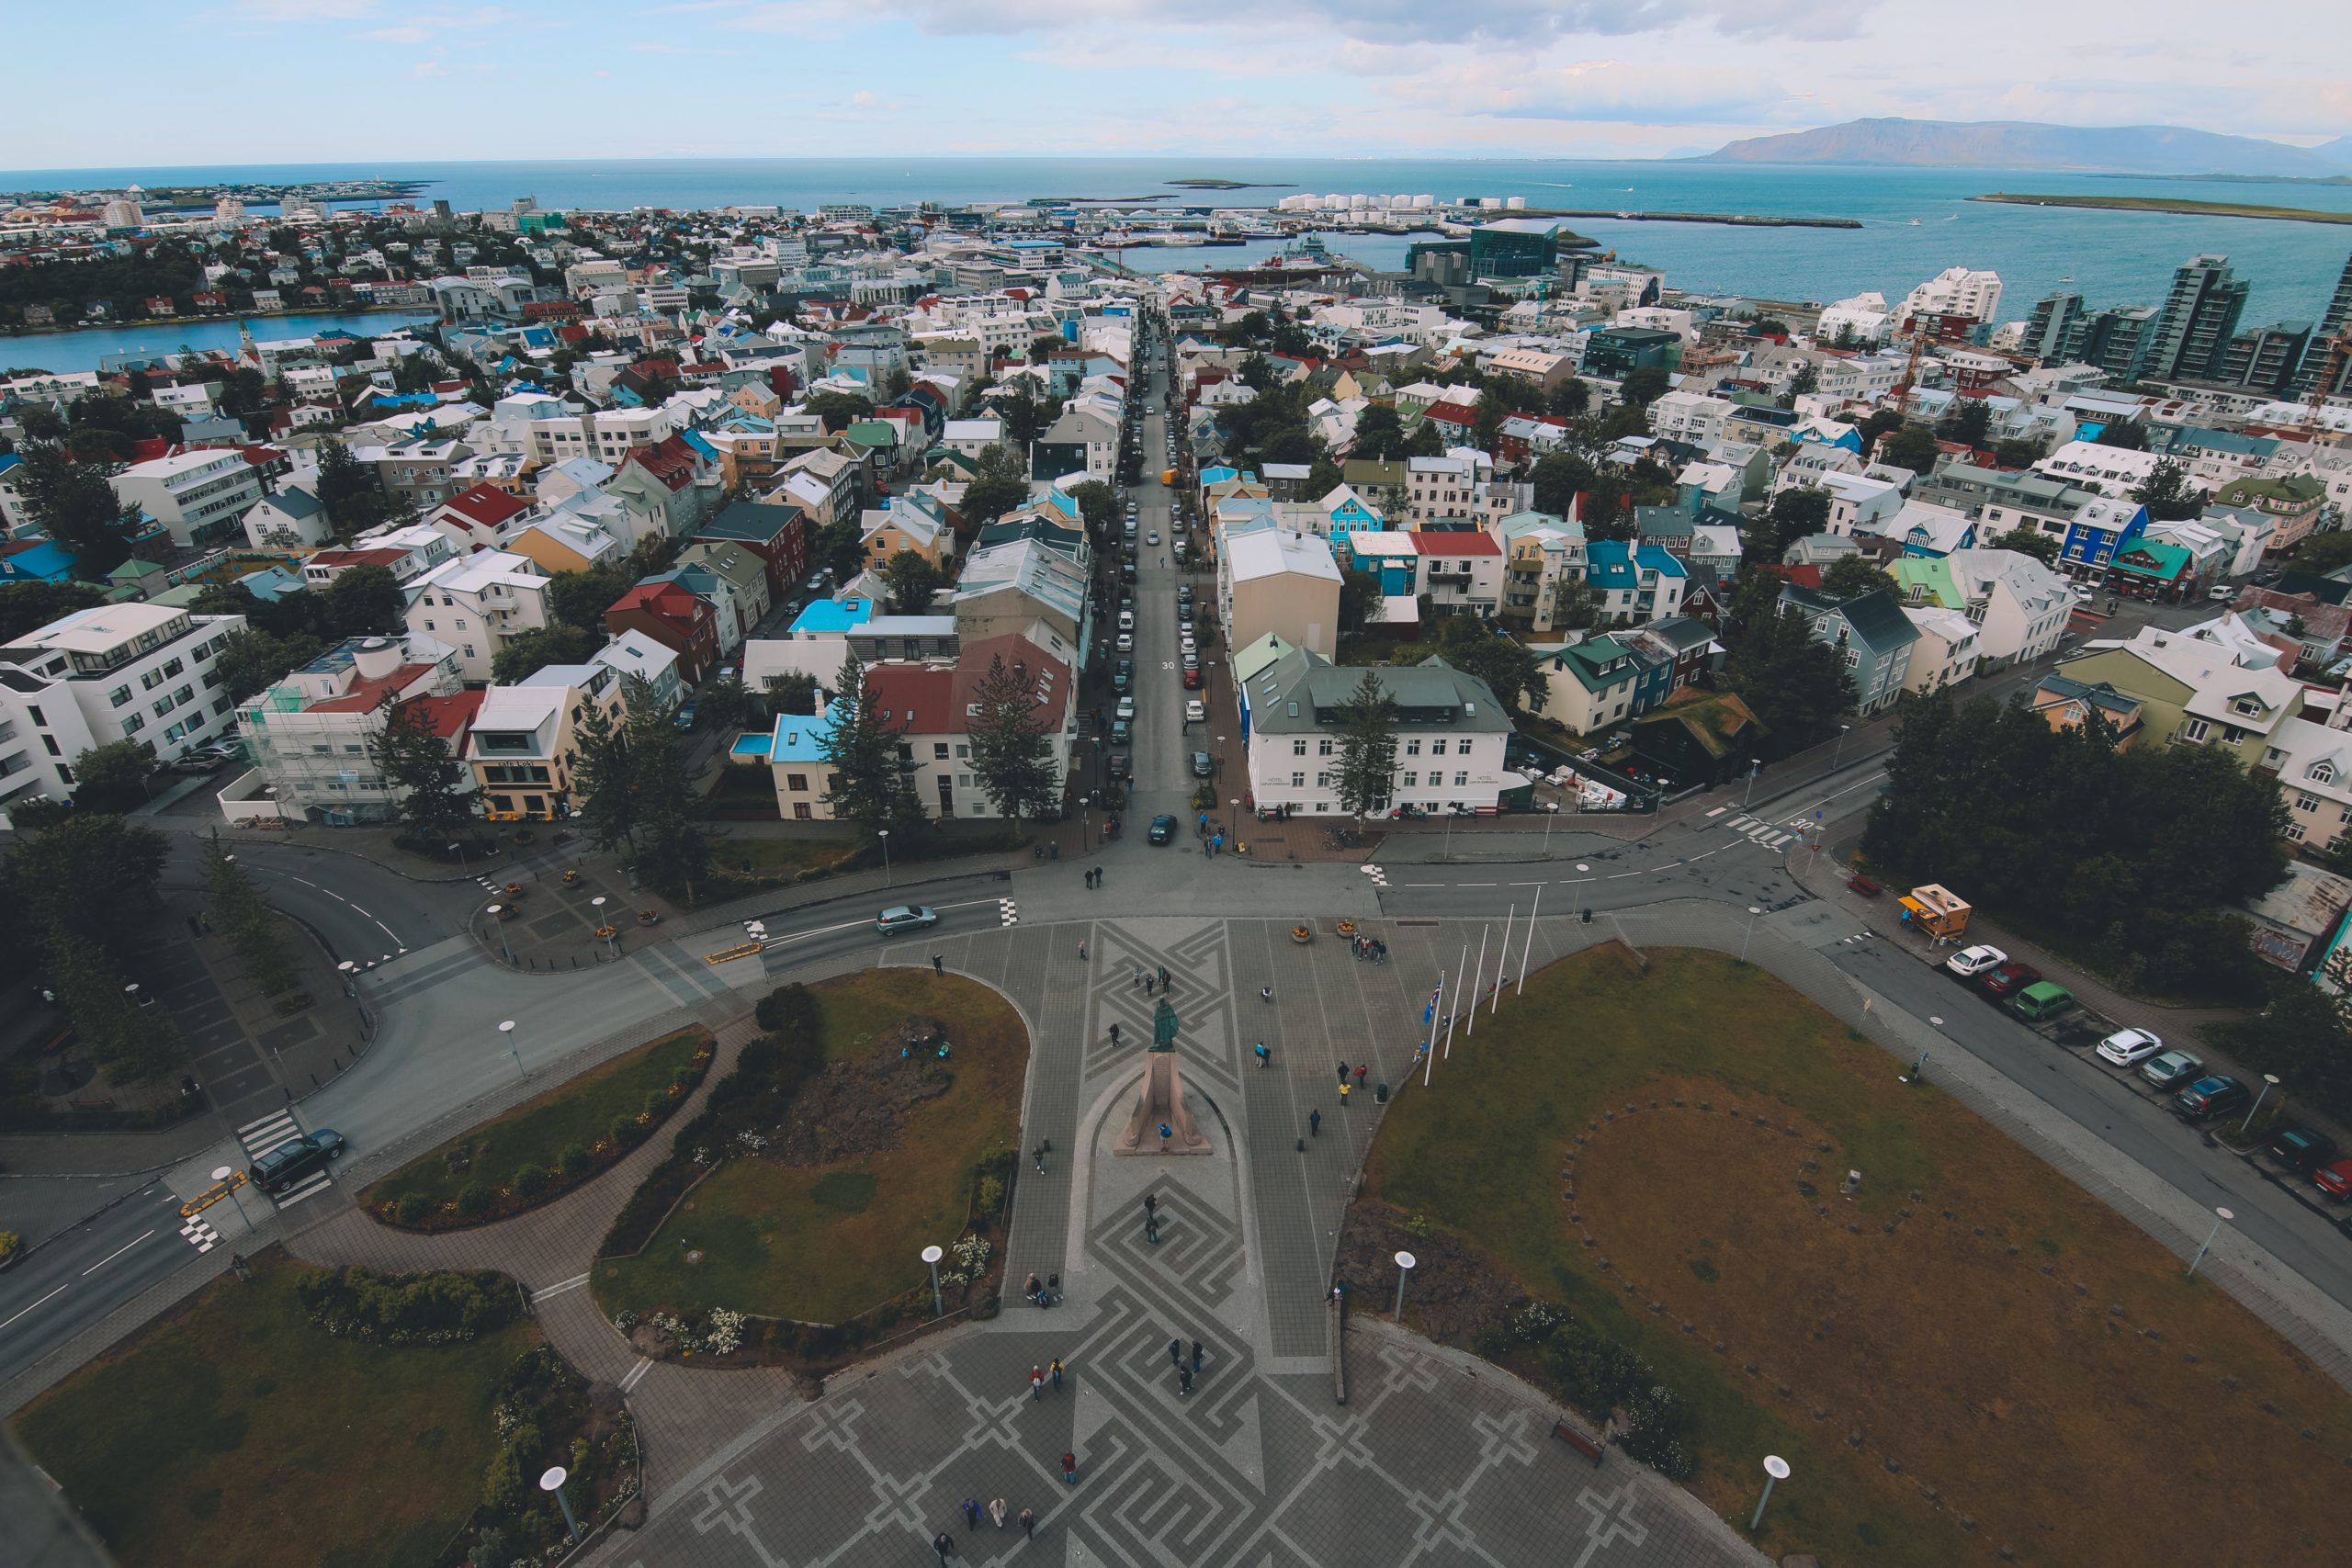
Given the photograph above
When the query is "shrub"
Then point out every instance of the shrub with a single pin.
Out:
(474, 1199)
(406, 1309)
(414, 1209)
(530, 1180)
(656, 1104)
(501, 1485)
(576, 1160)
(788, 1011)
(627, 1131)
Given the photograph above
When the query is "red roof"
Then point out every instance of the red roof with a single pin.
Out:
(1452, 413)
(1467, 542)
(368, 693)
(375, 555)
(919, 699)
(448, 717)
(671, 460)
(669, 600)
(485, 506)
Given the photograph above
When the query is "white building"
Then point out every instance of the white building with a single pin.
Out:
(1957, 291)
(475, 602)
(198, 496)
(1451, 731)
(131, 671)
(2110, 470)
(2019, 605)
(311, 737)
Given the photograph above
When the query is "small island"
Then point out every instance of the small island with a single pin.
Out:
(1227, 185)
(2178, 207)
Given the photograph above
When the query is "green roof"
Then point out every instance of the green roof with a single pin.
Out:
(1935, 575)
(2165, 561)
(1588, 661)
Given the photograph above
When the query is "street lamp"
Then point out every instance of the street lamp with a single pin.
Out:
(1775, 1469)
(496, 913)
(1405, 1262)
(349, 968)
(612, 932)
(2210, 1237)
(458, 849)
(885, 832)
(1551, 815)
(2269, 1082)
(1754, 766)
(132, 990)
(507, 1030)
(1753, 910)
(222, 1175)
(930, 1256)
(553, 1482)
(1841, 749)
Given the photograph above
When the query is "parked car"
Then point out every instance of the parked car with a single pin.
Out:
(2043, 1000)
(2129, 1047)
(294, 1159)
(2209, 1097)
(1122, 675)
(2336, 1180)
(1126, 643)
(1185, 592)
(1975, 960)
(685, 720)
(1152, 538)
(1120, 732)
(2009, 979)
(905, 917)
(1192, 677)
(1196, 710)
(1163, 828)
(1126, 708)
(2301, 1150)
(2170, 1069)
(1202, 766)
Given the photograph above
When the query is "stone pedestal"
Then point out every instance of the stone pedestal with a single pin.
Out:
(1160, 1125)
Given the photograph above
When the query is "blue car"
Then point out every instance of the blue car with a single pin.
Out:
(1163, 828)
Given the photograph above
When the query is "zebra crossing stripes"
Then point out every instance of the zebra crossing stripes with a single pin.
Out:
(1008, 911)
(200, 1233)
(260, 1138)
(1379, 877)
(1770, 835)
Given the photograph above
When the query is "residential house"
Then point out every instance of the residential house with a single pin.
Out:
(674, 616)
(198, 496)
(2065, 702)
(1270, 579)
(1459, 572)
(1452, 734)
(2312, 763)
(1945, 654)
(291, 519)
(1543, 568)
(1873, 634)
(1592, 685)
(2194, 691)
(474, 604)
(2294, 504)
(1697, 737)
(777, 533)
(933, 708)
(522, 746)
(748, 596)
(1633, 584)
(2097, 533)
(312, 735)
(915, 522)
(2021, 607)
(1685, 646)
(1009, 588)
(634, 656)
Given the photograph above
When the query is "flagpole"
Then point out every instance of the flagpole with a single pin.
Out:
(1502, 961)
(1449, 1017)
(1529, 944)
(1429, 1052)
(1478, 974)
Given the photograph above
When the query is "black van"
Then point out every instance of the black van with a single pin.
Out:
(294, 1159)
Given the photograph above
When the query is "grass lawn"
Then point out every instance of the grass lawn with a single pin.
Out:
(239, 1433)
(581, 1112)
(769, 857)
(823, 1243)
(1979, 1352)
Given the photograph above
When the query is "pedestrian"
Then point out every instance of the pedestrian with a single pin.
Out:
(938, 962)
(1148, 984)
(1151, 1229)
(1175, 1352)
(1029, 1293)
(1361, 1068)
(1137, 983)
(1265, 993)
(1029, 1521)
(1344, 1072)
(1055, 1372)
(1314, 1124)
(1081, 952)
(1040, 1151)
(1196, 1354)
(1184, 1379)
(1344, 1086)
(1070, 1467)
(996, 1512)
(1163, 976)
(1038, 1384)
(972, 1512)
(944, 1544)
(1260, 1050)
(1150, 1202)
(1115, 1032)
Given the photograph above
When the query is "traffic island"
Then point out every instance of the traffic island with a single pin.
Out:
(1702, 1212)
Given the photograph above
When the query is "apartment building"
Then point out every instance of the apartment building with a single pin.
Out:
(475, 602)
(311, 737)
(1452, 733)
(199, 497)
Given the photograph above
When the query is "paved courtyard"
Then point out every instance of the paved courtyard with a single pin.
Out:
(1435, 1459)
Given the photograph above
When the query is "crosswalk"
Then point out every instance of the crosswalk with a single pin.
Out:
(1379, 877)
(260, 1138)
(199, 1233)
(1008, 911)
(1771, 835)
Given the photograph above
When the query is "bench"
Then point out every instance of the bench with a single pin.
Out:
(1867, 886)
(1579, 1441)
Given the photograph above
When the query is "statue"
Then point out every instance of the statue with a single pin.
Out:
(1161, 1125)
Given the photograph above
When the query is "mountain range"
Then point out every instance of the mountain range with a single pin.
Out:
(2023, 144)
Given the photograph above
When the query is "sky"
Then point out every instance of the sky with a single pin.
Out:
(322, 81)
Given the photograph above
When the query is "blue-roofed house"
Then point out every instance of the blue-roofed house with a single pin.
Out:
(830, 617)
(797, 757)
(1635, 584)
(36, 560)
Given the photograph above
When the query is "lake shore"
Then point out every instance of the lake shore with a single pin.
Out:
(2175, 207)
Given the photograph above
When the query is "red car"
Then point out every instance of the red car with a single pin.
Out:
(2010, 979)
(2336, 1180)
(1193, 680)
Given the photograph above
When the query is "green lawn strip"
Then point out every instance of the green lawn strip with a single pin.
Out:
(823, 1244)
(241, 1433)
(575, 1116)
(770, 856)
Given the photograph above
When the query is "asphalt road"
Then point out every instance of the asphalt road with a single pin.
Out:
(360, 911)
(86, 1271)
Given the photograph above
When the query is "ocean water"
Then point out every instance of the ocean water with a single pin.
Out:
(88, 347)
(1916, 222)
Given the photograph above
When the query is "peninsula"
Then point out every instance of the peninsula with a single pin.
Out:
(2179, 208)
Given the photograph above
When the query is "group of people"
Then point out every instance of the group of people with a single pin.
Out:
(999, 1510)
(1042, 1295)
(1185, 1372)
(1149, 980)
(1370, 947)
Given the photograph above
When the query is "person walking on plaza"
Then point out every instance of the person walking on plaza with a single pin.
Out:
(938, 962)
(1361, 1068)
(972, 1512)
(1151, 1204)
(1196, 1354)
(1344, 1072)
(1070, 1467)
(944, 1544)
(1115, 1032)
(1183, 1379)
(1163, 976)
(1137, 983)
(1055, 1372)
(996, 1512)
(1344, 1086)
(1175, 1352)
(1029, 1521)
(1081, 952)
(1151, 1229)
(1260, 1050)
(1038, 1384)
(1314, 1124)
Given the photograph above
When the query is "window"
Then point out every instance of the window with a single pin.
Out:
(1298, 748)
(2195, 730)
(1323, 748)
(2294, 833)
(1298, 781)
(171, 668)
(1412, 747)
(1437, 747)
(119, 696)
(2321, 772)
(133, 725)
(2307, 803)
(800, 812)
(1412, 780)
(797, 783)
(1460, 779)
(2247, 706)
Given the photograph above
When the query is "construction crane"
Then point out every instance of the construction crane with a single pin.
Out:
(2337, 348)
(1911, 371)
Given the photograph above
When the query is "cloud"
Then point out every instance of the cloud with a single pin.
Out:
(1596, 90)
(421, 26)
(301, 10)
(426, 69)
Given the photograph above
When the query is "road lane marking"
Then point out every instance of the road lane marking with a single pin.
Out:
(627, 1383)
(112, 1256)
(21, 1312)
(557, 1289)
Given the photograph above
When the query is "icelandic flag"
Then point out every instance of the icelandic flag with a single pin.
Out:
(1430, 1011)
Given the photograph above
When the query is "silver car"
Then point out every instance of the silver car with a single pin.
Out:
(2129, 1047)
(905, 917)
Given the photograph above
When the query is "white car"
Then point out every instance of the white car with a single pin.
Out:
(1126, 708)
(1196, 711)
(1126, 642)
(1975, 960)
(2129, 1047)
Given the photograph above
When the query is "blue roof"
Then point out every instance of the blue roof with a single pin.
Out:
(800, 739)
(1613, 563)
(40, 560)
(8, 460)
(834, 615)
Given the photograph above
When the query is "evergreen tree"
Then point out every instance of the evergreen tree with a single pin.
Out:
(349, 491)
(131, 1040)
(1012, 744)
(914, 582)
(603, 798)
(868, 784)
(1367, 746)
(2028, 541)
(2168, 495)
(1795, 685)
(76, 505)
(673, 851)
(238, 910)
(424, 777)
(1001, 484)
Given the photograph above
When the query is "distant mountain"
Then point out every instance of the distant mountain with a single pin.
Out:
(2020, 144)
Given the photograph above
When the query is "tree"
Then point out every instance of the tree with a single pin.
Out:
(2319, 553)
(364, 601)
(1001, 484)
(1851, 576)
(1012, 744)
(1643, 386)
(1805, 381)
(603, 793)
(2122, 434)
(1367, 746)
(1558, 479)
(580, 598)
(727, 704)
(1795, 685)
(1380, 435)
(674, 847)
(2020, 451)
(30, 606)
(237, 908)
(1026, 415)
(528, 651)
(85, 873)
(422, 776)
(1486, 424)
(1913, 447)
(133, 1042)
(868, 783)
(1790, 515)
(2168, 495)
(1427, 441)
(1098, 504)
(795, 693)
(76, 505)
(348, 490)
(1968, 421)
(1575, 605)
(914, 582)
(1570, 399)
(1360, 601)
(838, 410)
(114, 777)
(2027, 540)
(250, 660)
(1509, 668)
